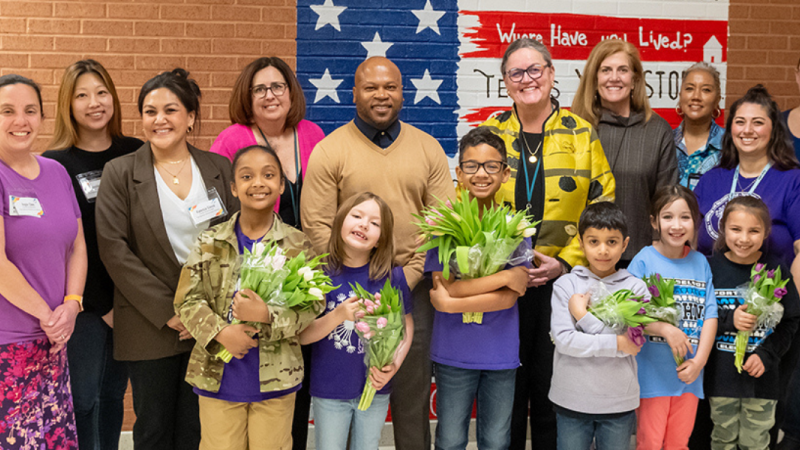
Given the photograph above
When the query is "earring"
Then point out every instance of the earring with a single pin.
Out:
(717, 112)
(189, 129)
(679, 110)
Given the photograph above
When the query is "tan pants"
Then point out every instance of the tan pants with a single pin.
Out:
(264, 425)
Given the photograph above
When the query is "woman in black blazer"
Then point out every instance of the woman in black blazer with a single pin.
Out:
(146, 223)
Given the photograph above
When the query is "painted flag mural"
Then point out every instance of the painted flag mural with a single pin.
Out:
(449, 51)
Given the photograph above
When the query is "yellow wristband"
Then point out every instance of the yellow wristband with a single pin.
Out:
(77, 298)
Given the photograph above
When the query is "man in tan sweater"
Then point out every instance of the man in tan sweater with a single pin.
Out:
(406, 167)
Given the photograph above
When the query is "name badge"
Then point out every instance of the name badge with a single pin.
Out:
(208, 209)
(90, 183)
(24, 206)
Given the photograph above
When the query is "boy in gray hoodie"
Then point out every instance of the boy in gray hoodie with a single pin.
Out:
(594, 387)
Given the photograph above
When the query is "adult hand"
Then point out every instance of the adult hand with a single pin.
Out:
(754, 366)
(249, 307)
(379, 378)
(742, 320)
(176, 324)
(236, 340)
(61, 323)
(689, 370)
(550, 268)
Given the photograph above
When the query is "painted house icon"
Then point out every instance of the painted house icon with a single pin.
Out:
(712, 51)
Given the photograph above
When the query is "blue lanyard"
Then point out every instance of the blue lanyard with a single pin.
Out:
(755, 184)
(528, 184)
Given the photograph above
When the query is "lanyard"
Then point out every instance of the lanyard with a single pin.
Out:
(755, 184)
(528, 184)
(298, 174)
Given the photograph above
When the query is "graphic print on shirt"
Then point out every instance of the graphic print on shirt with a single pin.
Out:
(690, 298)
(729, 300)
(713, 216)
(344, 333)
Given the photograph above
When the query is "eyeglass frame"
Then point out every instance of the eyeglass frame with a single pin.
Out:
(527, 70)
(503, 165)
(270, 88)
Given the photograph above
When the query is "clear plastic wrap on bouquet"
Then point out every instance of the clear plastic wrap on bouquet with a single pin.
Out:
(604, 308)
(768, 314)
(668, 314)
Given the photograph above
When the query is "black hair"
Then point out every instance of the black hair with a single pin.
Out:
(603, 216)
(478, 136)
(12, 78)
(179, 83)
(266, 149)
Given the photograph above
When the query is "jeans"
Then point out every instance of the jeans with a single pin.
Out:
(334, 419)
(98, 383)
(609, 431)
(456, 391)
(166, 407)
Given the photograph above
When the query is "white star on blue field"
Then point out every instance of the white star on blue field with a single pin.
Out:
(420, 36)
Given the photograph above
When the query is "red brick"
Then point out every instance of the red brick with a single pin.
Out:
(266, 2)
(279, 15)
(214, 128)
(746, 27)
(158, 29)
(210, 63)
(786, 88)
(125, 95)
(291, 61)
(9, 25)
(49, 93)
(136, 11)
(203, 79)
(786, 59)
(203, 143)
(107, 27)
(28, 43)
(38, 75)
(765, 73)
(52, 60)
(132, 78)
(185, 12)
(113, 61)
(13, 60)
(212, 2)
(735, 73)
(738, 11)
(259, 31)
(186, 46)
(280, 48)
(26, 9)
(210, 29)
(236, 13)
(290, 31)
(54, 26)
(58, 74)
(770, 12)
(787, 28)
(90, 44)
(746, 57)
(158, 63)
(80, 10)
(763, 43)
(219, 112)
(236, 46)
(224, 79)
(794, 43)
(133, 45)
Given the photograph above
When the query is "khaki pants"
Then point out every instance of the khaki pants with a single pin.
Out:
(742, 421)
(265, 425)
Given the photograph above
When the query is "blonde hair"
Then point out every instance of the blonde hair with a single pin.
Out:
(587, 104)
(65, 134)
(381, 259)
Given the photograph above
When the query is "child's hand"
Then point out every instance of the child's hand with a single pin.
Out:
(626, 345)
(236, 340)
(347, 309)
(517, 279)
(379, 378)
(176, 324)
(578, 306)
(742, 320)
(754, 366)
(689, 370)
(677, 341)
(440, 297)
(249, 307)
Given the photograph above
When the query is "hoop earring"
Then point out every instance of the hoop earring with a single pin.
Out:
(717, 112)
(679, 110)
(189, 129)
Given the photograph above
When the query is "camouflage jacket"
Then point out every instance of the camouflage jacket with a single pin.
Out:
(203, 298)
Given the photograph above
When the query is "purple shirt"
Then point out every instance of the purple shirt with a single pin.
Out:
(240, 379)
(338, 370)
(491, 345)
(38, 246)
(780, 190)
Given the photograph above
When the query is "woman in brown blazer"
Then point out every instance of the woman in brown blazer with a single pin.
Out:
(147, 220)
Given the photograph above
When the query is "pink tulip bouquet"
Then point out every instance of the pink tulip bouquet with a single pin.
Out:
(622, 311)
(380, 323)
(281, 281)
(762, 296)
(474, 245)
(662, 306)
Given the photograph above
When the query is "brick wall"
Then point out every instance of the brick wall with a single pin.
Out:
(135, 40)
(764, 47)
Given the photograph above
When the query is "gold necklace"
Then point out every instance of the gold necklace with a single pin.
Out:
(533, 157)
(175, 179)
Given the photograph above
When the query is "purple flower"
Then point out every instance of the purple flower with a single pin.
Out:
(756, 278)
(641, 311)
(645, 300)
(636, 334)
(771, 273)
(654, 291)
(759, 267)
(780, 292)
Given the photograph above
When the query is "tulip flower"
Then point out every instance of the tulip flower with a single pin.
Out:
(382, 322)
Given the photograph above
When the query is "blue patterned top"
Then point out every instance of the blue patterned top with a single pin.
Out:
(690, 167)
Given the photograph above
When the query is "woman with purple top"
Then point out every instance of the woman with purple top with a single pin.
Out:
(43, 266)
(757, 159)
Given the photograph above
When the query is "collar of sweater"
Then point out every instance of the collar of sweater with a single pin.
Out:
(613, 119)
(587, 275)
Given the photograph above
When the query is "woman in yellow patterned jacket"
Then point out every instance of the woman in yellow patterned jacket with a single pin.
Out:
(557, 168)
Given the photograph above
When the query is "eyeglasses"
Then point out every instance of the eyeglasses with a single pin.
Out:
(260, 90)
(491, 167)
(534, 71)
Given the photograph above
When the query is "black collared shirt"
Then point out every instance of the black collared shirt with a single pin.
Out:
(381, 138)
